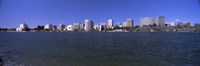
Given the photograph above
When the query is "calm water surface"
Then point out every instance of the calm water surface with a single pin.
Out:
(100, 49)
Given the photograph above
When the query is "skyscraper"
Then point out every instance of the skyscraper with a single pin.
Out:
(160, 21)
(130, 22)
(146, 21)
(110, 23)
(89, 25)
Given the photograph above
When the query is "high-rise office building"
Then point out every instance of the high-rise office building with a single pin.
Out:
(110, 23)
(146, 21)
(89, 25)
(129, 22)
(160, 21)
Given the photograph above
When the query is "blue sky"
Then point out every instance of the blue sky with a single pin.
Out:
(40, 12)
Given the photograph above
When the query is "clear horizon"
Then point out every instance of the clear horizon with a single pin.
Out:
(41, 12)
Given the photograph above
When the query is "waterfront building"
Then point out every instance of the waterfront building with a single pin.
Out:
(39, 28)
(101, 28)
(146, 21)
(19, 29)
(96, 27)
(54, 28)
(197, 27)
(69, 28)
(172, 24)
(22, 27)
(48, 27)
(89, 25)
(180, 24)
(186, 24)
(110, 23)
(125, 24)
(104, 26)
(129, 22)
(160, 21)
(82, 26)
(61, 27)
(77, 26)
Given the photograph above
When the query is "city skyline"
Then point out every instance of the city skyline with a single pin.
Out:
(129, 22)
(41, 12)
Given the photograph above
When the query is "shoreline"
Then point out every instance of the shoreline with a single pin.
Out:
(95, 32)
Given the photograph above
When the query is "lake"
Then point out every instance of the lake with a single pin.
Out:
(100, 49)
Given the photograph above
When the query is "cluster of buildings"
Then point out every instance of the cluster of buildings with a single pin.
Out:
(22, 27)
(146, 24)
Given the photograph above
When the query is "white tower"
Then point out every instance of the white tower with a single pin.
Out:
(89, 25)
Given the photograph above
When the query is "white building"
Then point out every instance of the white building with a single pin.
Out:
(146, 21)
(89, 25)
(22, 27)
(61, 27)
(69, 28)
(82, 26)
(103, 26)
(96, 27)
(172, 24)
(110, 23)
(48, 27)
(76, 26)
(125, 24)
